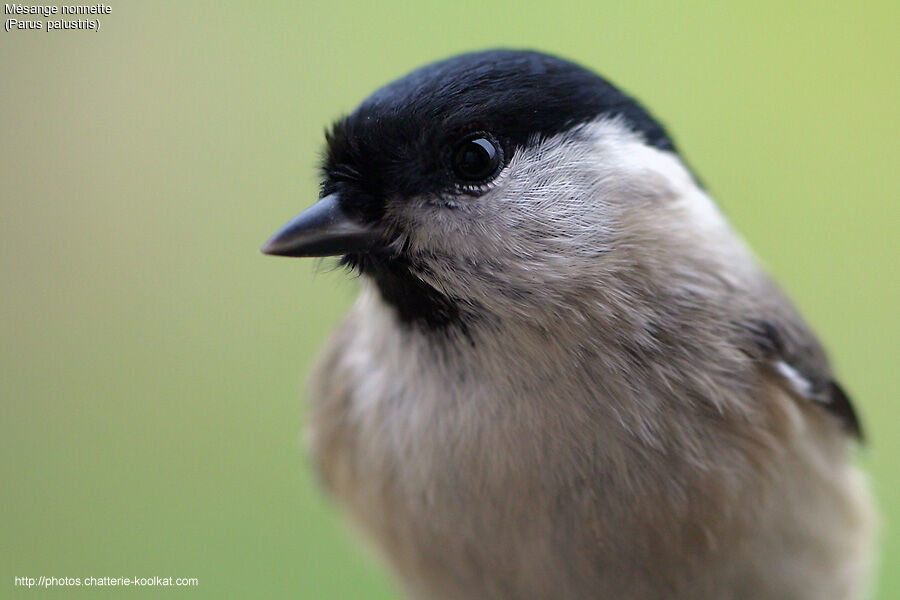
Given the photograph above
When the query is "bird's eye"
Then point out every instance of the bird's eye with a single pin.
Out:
(477, 159)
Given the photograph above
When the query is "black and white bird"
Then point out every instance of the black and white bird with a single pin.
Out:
(566, 376)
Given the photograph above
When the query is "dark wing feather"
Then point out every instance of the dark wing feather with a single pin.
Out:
(839, 403)
(785, 344)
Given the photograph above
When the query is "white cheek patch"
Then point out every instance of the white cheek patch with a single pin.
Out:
(559, 206)
(571, 188)
(654, 172)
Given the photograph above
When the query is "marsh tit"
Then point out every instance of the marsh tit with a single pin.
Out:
(565, 375)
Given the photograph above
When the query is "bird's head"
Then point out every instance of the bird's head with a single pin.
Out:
(491, 181)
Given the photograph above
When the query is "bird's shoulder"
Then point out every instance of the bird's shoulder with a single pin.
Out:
(785, 347)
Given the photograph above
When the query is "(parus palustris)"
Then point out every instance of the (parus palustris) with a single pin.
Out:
(566, 376)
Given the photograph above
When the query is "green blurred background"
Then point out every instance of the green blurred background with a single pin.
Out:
(152, 360)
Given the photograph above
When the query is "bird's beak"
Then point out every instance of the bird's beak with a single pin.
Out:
(323, 229)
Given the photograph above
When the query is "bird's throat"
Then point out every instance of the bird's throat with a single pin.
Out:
(416, 302)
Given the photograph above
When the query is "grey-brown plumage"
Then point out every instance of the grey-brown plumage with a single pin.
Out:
(570, 378)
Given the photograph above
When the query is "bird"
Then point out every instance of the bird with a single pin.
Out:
(565, 374)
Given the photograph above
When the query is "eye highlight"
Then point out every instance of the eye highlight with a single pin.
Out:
(477, 159)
